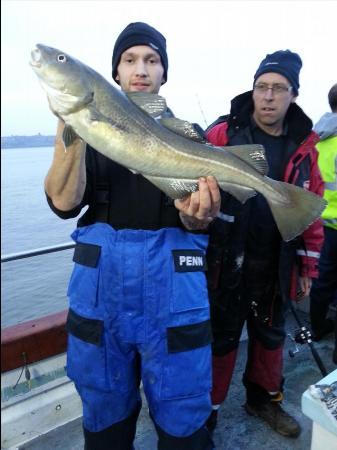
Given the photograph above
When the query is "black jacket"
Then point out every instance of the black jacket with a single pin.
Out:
(228, 238)
(120, 198)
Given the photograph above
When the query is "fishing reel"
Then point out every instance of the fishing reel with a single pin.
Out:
(301, 336)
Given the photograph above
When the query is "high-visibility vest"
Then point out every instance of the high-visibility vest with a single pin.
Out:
(327, 161)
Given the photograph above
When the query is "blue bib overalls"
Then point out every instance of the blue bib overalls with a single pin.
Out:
(139, 311)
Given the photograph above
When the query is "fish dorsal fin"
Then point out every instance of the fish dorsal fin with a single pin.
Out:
(181, 127)
(152, 104)
(253, 154)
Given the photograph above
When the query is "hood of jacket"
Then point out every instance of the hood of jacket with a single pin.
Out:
(326, 126)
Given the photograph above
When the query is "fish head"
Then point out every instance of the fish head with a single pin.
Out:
(66, 80)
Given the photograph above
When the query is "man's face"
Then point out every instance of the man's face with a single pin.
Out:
(140, 70)
(271, 105)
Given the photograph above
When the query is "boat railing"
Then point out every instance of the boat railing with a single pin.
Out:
(37, 252)
(36, 339)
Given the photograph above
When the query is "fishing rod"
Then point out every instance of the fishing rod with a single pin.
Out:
(201, 110)
(304, 336)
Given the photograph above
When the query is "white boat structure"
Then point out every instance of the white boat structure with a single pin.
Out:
(36, 394)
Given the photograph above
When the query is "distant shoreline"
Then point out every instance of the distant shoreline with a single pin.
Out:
(37, 140)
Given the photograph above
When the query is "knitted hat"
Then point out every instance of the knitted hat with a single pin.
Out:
(285, 63)
(139, 33)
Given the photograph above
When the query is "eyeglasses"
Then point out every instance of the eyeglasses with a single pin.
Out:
(263, 88)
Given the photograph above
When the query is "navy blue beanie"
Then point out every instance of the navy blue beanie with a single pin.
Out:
(139, 33)
(285, 63)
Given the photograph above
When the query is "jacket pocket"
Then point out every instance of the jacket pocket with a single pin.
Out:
(84, 281)
(188, 337)
(189, 288)
(87, 254)
(86, 356)
(187, 367)
(88, 330)
(89, 362)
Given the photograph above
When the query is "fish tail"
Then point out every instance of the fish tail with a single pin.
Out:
(298, 212)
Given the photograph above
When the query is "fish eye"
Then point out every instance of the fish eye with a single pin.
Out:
(61, 58)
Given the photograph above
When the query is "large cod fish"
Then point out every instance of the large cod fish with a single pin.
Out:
(132, 130)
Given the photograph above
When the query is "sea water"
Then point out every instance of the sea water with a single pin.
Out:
(31, 287)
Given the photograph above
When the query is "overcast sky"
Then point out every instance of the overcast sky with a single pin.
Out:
(214, 49)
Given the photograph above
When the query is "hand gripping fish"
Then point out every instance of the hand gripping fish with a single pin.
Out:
(131, 130)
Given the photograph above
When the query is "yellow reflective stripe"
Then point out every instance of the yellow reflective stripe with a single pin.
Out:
(331, 186)
(330, 222)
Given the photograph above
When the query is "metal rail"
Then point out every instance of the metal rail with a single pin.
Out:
(37, 252)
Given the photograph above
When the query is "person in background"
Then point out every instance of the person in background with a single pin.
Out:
(137, 311)
(252, 273)
(324, 289)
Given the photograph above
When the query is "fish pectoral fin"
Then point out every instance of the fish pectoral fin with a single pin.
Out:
(96, 116)
(174, 187)
(69, 136)
(241, 193)
(98, 119)
(181, 127)
(252, 154)
(152, 104)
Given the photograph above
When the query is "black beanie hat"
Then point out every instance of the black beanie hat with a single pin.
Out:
(285, 63)
(139, 33)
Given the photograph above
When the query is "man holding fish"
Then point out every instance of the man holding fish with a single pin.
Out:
(138, 296)
(253, 273)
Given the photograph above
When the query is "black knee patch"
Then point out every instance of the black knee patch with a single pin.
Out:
(199, 440)
(119, 436)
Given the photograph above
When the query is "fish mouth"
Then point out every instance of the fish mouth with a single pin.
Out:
(36, 58)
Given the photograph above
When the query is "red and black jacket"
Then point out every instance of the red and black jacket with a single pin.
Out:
(297, 257)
